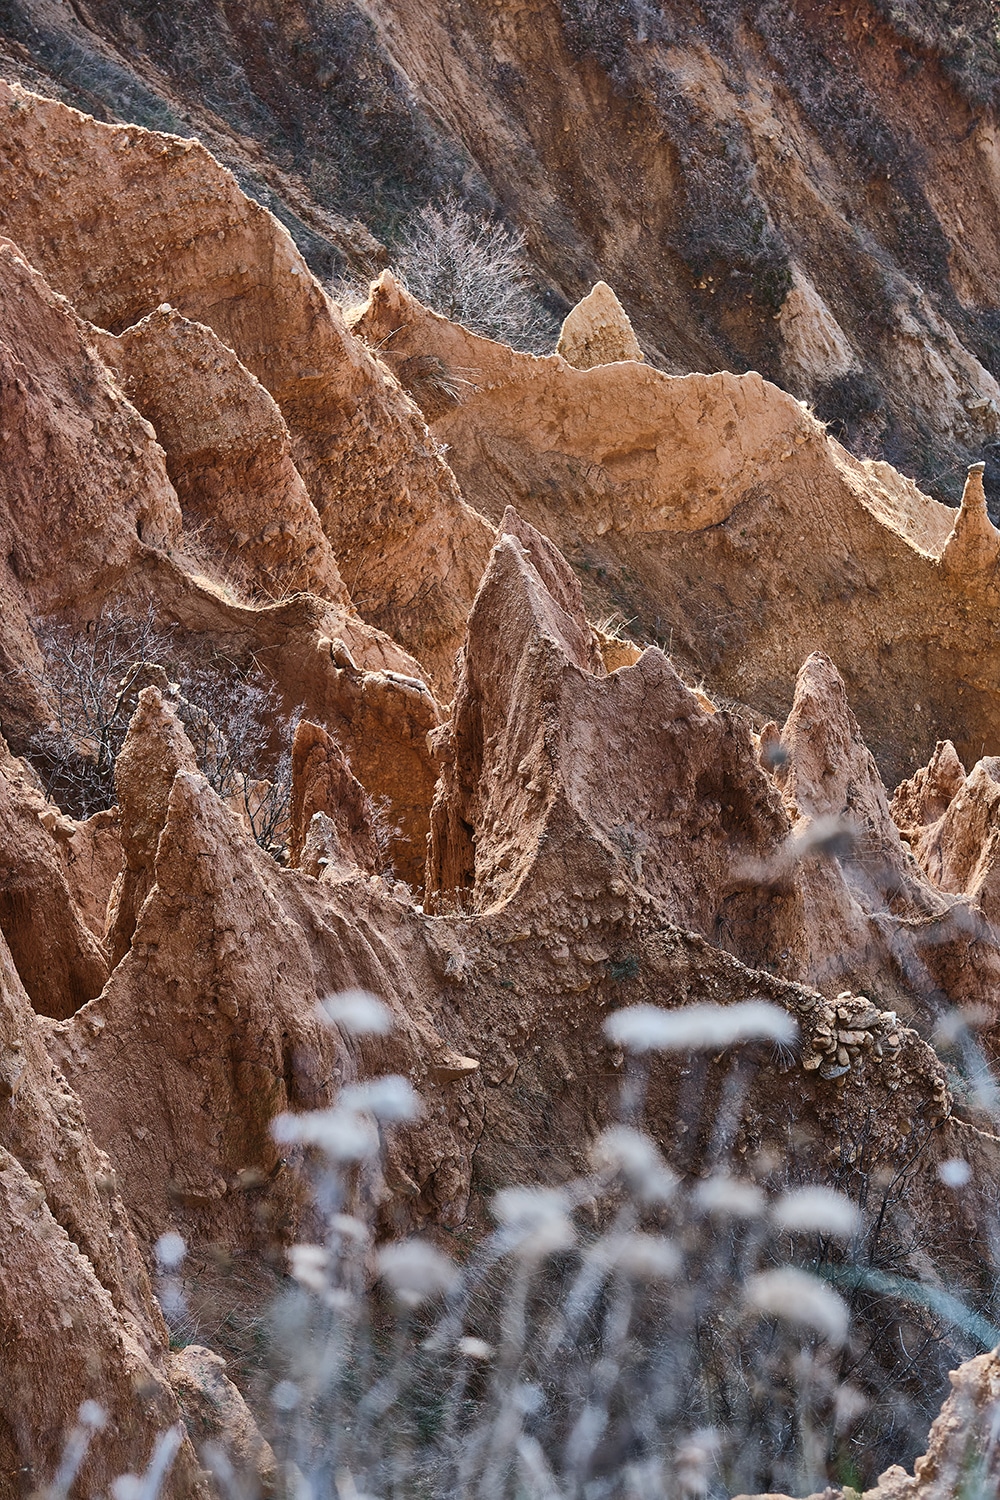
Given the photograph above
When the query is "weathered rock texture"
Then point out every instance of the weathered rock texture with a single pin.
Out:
(228, 456)
(598, 332)
(805, 191)
(700, 161)
(60, 959)
(590, 830)
(77, 1317)
(170, 225)
(719, 518)
(961, 1448)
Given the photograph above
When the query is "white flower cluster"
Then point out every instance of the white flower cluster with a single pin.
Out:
(699, 1028)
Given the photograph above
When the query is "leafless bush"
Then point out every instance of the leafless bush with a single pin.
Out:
(385, 832)
(473, 270)
(232, 716)
(85, 680)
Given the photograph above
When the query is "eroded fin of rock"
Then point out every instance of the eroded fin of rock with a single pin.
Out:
(973, 548)
(925, 797)
(874, 918)
(324, 787)
(134, 219)
(597, 331)
(155, 749)
(228, 455)
(60, 960)
(545, 754)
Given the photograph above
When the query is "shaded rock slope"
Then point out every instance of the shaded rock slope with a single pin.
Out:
(504, 819)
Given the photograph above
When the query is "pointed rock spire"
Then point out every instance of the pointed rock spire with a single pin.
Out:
(597, 331)
(974, 544)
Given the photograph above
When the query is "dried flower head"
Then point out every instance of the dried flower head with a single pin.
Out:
(647, 1028)
(633, 1155)
(646, 1257)
(344, 1136)
(695, 1458)
(955, 1173)
(391, 1099)
(800, 1299)
(286, 1395)
(817, 1210)
(170, 1250)
(729, 1197)
(350, 1228)
(537, 1219)
(93, 1415)
(309, 1264)
(358, 1013)
(473, 1348)
(416, 1271)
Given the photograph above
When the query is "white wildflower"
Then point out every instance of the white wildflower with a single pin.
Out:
(340, 1133)
(729, 1197)
(537, 1219)
(170, 1296)
(819, 1210)
(799, 1299)
(848, 1405)
(647, 1028)
(646, 1257)
(350, 1228)
(93, 1415)
(170, 1250)
(391, 1099)
(695, 1458)
(635, 1156)
(473, 1348)
(416, 1271)
(529, 1398)
(357, 1012)
(150, 1484)
(955, 1173)
(309, 1264)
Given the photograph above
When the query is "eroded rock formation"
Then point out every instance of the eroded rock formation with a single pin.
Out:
(597, 831)
(717, 515)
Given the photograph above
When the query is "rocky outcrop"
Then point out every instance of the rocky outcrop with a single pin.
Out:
(384, 721)
(699, 163)
(215, 1413)
(717, 516)
(84, 483)
(215, 1000)
(60, 959)
(526, 763)
(228, 455)
(77, 1317)
(597, 331)
(208, 1025)
(154, 752)
(323, 788)
(598, 833)
(868, 907)
(171, 225)
(961, 1446)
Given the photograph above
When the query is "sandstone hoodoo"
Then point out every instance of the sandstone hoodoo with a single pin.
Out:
(499, 911)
